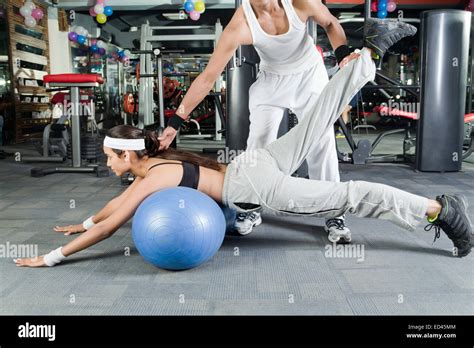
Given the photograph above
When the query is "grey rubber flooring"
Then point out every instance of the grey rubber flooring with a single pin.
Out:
(283, 267)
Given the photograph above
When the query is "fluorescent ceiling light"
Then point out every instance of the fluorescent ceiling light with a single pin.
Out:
(349, 15)
(179, 16)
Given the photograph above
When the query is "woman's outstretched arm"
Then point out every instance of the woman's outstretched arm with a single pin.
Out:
(104, 229)
(116, 203)
(104, 213)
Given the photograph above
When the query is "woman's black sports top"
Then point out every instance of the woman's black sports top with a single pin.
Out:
(190, 174)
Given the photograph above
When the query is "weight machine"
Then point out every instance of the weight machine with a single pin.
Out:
(148, 53)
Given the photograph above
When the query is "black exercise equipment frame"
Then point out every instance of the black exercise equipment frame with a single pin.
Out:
(362, 152)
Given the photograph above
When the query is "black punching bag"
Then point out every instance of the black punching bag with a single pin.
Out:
(444, 66)
(240, 76)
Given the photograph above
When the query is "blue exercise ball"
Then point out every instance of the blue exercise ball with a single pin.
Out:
(178, 228)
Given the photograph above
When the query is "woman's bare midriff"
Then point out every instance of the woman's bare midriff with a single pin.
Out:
(211, 182)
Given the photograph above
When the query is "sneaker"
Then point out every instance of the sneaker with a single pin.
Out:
(245, 222)
(381, 34)
(454, 221)
(337, 231)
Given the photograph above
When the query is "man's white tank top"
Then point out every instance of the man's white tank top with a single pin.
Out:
(284, 54)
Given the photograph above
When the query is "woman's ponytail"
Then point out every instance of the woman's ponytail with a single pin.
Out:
(152, 144)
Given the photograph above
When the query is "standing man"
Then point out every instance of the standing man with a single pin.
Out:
(291, 71)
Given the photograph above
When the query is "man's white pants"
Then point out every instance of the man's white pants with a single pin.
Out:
(271, 94)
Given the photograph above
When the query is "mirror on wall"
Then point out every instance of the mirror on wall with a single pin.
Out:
(5, 82)
(4, 68)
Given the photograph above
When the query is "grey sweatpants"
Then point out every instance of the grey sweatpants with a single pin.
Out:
(263, 178)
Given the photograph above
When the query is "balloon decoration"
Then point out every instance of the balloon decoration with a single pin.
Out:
(98, 48)
(391, 6)
(81, 40)
(122, 56)
(383, 7)
(470, 6)
(84, 61)
(101, 11)
(31, 13)
(373, 6)
(72, 36)
(194, 8)
(78, 34)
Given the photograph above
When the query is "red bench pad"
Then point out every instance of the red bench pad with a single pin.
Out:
(73, 78)
(396, 112)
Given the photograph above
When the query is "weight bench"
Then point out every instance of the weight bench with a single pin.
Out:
(73, 82)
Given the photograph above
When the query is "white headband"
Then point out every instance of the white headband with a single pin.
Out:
(124, 144)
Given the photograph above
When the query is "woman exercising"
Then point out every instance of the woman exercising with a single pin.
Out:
(262, 178)
(291, 71)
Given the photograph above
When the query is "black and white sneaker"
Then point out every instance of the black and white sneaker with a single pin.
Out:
(454, 221)
(381, 34)
(337, 231)
(245, 222)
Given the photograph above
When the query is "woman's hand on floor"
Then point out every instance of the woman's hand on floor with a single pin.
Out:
(31, 262)
(346, 60)
(71, 229)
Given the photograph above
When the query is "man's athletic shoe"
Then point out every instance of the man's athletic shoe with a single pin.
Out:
(337, 231)
(454, 221)
(381, 34)
(245, 222)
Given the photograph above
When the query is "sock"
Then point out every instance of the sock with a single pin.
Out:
(375, 56)
(431, 220)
